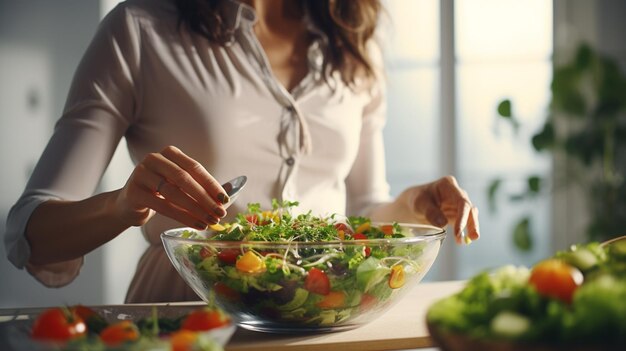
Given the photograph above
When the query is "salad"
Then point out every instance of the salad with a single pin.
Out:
(82, 328)
(576, 297)
(302, 270)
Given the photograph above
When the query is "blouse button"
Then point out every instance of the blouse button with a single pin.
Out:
(290, 161)
(291, 109)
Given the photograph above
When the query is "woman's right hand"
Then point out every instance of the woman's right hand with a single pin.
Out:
(174, 185)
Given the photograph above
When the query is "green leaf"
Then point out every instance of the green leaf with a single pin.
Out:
(584, 57)
(369, 273)
(492, 192)
(566, 93)
(522, 237)
(534, 184)
(504, 108)
(546, 138)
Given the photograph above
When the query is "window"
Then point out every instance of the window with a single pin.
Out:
(469, 55)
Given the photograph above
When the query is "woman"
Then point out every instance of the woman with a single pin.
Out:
(286, 92)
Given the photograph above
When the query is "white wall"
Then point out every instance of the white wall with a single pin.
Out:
(41, 43)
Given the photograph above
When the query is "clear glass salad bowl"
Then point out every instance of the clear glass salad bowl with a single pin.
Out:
(295, 286)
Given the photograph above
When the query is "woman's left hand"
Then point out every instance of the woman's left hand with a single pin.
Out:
(443, 202)
(439, 203)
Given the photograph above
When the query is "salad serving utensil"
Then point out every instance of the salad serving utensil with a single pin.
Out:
(233, 188)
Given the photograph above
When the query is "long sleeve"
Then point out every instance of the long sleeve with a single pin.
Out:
(367, 184)
(98, 111)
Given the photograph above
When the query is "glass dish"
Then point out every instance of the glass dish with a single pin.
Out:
(283, 298)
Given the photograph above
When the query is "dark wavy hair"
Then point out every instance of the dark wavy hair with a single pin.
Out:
(348, 24)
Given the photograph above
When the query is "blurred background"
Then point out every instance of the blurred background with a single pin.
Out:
(471, 85)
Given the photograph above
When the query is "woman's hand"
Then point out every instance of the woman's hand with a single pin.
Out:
(440, 203)
(443, 202)
(175, 185)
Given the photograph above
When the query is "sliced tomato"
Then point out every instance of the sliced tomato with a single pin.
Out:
(205, 319)
(555, 278)
(58, 324)
(228, 256)
(332, 300)
(119, 333)
(317, 282)
(253, 219)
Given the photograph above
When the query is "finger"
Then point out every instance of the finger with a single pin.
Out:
(153, 183)
(435, 216)
(146, 179)
(180, 199)
(463, 212)
(166, 168)
(168, 209)
(473, 226)
(198, 172)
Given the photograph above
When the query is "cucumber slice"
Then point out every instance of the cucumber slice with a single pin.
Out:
(298, 300)
(509, 325)
(582, 259)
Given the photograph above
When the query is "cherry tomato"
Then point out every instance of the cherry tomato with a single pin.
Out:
(118, 333)
(84, 312)
(58, 324)
(396, 279)
(367, 302)
(387, 229)
(205, 252)
(228, 256)
(205, 319)
(334, 299)
(317, 282)
(344, 227)
(226, 292)
(183, 340)
(95, 323)
(367, 251)
(250, 263)
(555, 278)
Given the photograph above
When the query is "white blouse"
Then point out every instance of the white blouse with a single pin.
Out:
(148, 80)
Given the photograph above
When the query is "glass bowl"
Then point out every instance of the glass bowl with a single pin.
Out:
(303, 286)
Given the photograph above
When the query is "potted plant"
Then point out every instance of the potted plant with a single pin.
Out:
(585, 123)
